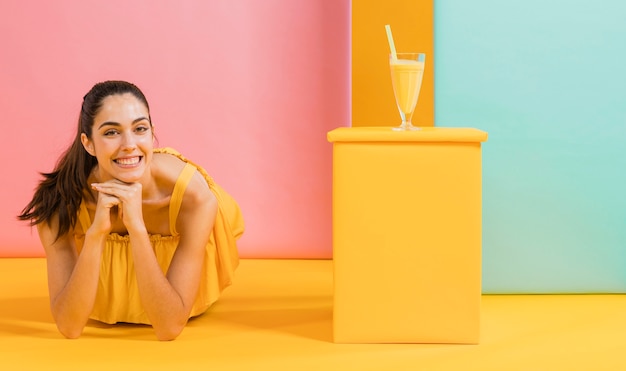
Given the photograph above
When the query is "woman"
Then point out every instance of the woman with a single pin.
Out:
(131, 233)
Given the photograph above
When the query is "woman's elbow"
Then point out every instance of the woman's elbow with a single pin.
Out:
(169, 333)
(70, 332)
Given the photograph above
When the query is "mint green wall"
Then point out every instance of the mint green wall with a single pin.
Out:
(546, 80)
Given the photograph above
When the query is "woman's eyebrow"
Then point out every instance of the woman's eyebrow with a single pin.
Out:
(113, 123)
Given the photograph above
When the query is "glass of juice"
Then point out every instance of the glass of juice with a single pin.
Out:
(407, 71)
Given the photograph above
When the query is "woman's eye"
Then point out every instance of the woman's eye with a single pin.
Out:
(143, 129)
(109, 133)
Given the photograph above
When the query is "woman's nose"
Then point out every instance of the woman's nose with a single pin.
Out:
(128, 141)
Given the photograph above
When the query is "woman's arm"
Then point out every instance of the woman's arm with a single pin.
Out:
(72, 278)
(168, 299)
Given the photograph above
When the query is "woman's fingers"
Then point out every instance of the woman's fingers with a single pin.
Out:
(102, 219)
(108, 201)
(128, 197)
(119, 189)
(112, 188)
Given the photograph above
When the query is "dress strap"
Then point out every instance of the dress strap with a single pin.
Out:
(83, 216)
(177, 195)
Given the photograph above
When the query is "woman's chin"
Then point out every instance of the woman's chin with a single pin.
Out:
(129, 177)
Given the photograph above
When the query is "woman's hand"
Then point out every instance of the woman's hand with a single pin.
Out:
(125, 197)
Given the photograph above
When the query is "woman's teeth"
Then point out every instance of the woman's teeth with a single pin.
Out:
(128, 161)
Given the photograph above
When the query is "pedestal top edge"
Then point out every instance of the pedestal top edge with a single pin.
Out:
(424, 134)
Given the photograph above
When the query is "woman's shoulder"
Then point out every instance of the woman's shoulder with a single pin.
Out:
(167, 166)
(190, 189)
(170, 165)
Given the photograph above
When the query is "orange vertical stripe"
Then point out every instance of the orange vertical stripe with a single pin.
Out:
(411, 21)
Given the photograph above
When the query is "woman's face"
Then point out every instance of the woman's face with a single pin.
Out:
(122, 139)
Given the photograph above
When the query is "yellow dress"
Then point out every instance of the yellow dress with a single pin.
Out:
(117, 298)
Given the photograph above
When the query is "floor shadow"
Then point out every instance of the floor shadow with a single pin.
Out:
(119, 331)
(305, 316)
(27, 316)
(32, 317)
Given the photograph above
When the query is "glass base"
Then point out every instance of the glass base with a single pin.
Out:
(405, 126)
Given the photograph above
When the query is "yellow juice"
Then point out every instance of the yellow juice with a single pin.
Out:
(406, 77)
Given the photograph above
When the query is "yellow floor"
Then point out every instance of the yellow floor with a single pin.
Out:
(278, 316)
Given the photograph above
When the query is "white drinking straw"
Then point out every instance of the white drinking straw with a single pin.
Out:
(392, 47)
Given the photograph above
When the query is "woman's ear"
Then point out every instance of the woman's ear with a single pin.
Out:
(87, 144)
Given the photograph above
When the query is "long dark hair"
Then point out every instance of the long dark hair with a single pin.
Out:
(61, 191)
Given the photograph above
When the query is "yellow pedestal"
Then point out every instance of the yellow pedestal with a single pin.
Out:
(407, 235)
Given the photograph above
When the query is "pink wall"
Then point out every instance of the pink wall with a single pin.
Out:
(247, 88)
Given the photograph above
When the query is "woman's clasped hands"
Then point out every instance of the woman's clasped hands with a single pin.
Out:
(125, 198)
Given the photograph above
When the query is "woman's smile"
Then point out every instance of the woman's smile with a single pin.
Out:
(128, 161)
